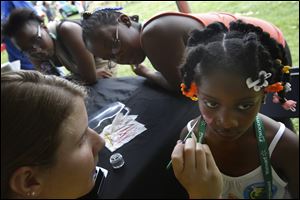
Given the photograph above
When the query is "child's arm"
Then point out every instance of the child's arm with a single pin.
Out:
(287, 153)
(285, 157)
(71, 35)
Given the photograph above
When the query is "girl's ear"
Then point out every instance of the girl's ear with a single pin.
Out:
(134, 18)
(124, 19)
(25, 182)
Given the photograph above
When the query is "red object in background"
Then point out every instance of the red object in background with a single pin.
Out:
(183, 6)
(3, 47)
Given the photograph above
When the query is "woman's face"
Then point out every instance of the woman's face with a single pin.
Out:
(73, 173)
(34, 41)
(228, 106)
(119, 43)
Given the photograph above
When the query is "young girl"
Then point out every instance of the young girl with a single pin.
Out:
(229, 72)
(47, 148)
(162, 39)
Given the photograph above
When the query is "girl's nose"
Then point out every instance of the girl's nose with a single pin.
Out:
(227, 120)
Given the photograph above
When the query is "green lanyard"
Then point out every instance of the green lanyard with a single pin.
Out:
(263, 152)
(264, 156)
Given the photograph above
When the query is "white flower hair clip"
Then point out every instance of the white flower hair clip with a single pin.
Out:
(255, 83)
(287, 87)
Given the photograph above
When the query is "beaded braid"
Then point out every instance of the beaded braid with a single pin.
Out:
(272, 57)
(269, 50)
(262, 53)
(207, 35)
(195, 53)
(194, 57)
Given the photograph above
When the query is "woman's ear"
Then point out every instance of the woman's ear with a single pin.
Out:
(24, 182)
(134, 18)
(124, 19)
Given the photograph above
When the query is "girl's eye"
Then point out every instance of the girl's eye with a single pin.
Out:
(244, 106)
(210, 104)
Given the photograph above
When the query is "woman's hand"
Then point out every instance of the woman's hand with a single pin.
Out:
(195, 168)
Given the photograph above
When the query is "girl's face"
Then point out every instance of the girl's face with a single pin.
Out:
(34, 41)
(118, 43)
(73, 173)
(227, 105)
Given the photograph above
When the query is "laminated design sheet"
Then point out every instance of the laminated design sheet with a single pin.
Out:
(122, 130)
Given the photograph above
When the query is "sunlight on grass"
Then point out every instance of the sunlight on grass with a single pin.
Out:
(295, 122)
(4, 57)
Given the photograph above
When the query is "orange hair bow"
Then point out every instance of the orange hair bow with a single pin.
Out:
(191, 93)
(276, 87)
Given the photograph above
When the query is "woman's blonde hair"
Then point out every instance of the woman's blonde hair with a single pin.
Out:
(33, 107)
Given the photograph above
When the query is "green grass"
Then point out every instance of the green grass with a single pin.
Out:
(4, 57)
(295, 122)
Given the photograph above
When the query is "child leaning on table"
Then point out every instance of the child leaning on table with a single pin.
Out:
(229, 72)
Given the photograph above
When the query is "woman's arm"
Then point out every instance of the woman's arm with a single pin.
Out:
(195, 168)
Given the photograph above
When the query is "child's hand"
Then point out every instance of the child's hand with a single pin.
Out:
(196, 170)
(140, 69)
(100, 73)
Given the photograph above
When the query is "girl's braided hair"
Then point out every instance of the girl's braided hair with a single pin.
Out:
(98, 19)
(18, 18)
(243, 48)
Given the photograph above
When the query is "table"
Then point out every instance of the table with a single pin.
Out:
(164, 114)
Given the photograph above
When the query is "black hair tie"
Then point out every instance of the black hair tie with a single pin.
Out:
(86, 14)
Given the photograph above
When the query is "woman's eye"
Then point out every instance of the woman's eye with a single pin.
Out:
(210, 104)
(244, 106)
(83, 139)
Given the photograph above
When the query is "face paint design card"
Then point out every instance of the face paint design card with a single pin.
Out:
(122, 130)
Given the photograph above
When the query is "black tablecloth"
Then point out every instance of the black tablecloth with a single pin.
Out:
(164, 114)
